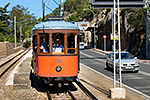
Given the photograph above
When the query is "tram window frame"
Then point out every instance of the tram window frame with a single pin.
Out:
(43, 36)
(72, 43)
(54, 38)
(35, 43)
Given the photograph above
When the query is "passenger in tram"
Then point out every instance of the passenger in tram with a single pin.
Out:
(58, 48)
(43, 46)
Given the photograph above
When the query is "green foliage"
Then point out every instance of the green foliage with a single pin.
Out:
(10, 38)
(4, 19)
(40, 19)
(136, 18)
(74, 7)
(1, 37)
(23, 19)
(148, 8)
(27, 44)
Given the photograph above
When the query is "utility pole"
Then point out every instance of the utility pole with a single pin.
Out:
(117, 92)
(20, 35)
(119, 43)
(62, 8)
(43, 6)
(15, 29)
(114, 43)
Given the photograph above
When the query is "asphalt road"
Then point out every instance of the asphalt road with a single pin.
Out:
(138, 82)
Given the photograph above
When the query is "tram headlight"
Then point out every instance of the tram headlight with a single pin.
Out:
(58, 68)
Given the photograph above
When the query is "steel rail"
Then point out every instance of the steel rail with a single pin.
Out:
(49, 96)
(20, 55)
(72, 96)
(86, 91)
(10, 59)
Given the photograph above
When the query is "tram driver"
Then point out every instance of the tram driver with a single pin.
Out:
(58, 48)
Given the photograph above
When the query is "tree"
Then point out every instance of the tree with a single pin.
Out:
(136, 19)
(4, 22)
(23, 19)
(75, 8)
(72, 6)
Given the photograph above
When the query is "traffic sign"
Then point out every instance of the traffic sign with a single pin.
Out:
(112, 37)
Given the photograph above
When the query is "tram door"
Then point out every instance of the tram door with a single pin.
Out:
(34, 54)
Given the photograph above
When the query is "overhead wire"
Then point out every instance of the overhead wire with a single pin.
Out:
(47, 6)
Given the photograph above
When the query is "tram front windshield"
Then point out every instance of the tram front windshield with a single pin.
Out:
(57, 43)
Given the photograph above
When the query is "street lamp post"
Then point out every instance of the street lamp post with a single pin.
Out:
(94, 25)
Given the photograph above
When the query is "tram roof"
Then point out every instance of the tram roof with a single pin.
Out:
(55, 25)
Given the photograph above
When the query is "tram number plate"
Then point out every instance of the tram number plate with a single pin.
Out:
(58, 61)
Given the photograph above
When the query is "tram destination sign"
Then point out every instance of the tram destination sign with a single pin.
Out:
(122, 3)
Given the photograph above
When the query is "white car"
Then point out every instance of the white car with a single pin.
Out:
(128, 62)
(81, 46)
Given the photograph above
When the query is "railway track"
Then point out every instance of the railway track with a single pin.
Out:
(11, 62)
(78, 92)
(66, 95)
(86, 91)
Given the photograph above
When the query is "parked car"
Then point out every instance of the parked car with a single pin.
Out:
(81, 46)
(128, 62)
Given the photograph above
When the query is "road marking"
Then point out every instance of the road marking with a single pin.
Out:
(98, 52)
(129, 76)
(86, 55)
(142, 87)
(91, 57)
(134, 78)
(130, 88)
(145, 90)
(144, 73)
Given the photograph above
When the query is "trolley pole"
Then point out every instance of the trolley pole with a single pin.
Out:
(15, 29)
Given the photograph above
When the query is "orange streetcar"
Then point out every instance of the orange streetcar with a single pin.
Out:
(55, 51)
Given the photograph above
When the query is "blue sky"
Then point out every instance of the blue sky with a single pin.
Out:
(34, 6)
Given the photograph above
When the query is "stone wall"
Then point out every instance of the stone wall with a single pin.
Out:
(6, 49)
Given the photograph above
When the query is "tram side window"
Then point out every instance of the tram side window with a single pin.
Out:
(44, 42)
(58, 43)
(71, 43)
(34, 44)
